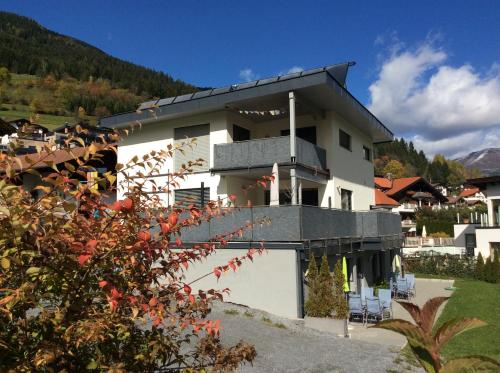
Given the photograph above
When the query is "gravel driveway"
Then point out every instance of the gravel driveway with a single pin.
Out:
(286, 346)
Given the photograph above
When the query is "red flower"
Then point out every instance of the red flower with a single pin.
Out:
(82, 259)
(232, 197)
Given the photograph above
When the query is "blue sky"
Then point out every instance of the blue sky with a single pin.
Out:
(214, 43)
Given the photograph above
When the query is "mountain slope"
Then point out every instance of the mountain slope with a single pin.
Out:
(486, 160)
(26, 47)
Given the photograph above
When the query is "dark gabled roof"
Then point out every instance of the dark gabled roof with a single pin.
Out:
(6, 128)
(327, 84)
(482, 182)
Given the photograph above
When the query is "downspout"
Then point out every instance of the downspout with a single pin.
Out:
(293, 147)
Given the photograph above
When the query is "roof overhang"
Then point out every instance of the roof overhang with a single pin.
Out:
(483, 182)
(320, 87)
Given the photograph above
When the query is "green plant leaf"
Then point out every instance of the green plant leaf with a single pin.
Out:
(92, 365)
(424, 356)
(475, 363)
(453, 327)
(406, 328)
(5, 263)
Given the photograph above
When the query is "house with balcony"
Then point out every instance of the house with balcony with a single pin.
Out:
(319, 140)
(405, 195)
(483, 236)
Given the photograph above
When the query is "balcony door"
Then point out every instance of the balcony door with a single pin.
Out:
(306, 133)
(309, 197)
(240, 133)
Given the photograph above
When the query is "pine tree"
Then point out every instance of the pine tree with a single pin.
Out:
(479, 270)
(340, 307)
(496, 266)
(320, 299)
(488, 270)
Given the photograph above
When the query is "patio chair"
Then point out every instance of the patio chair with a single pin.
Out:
(410, 277)
(373, 309)
(356, 309)
(402, 288)
(385, 298)
(366, 292)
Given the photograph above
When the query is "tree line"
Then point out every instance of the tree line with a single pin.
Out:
(400, 158)
(28, 48)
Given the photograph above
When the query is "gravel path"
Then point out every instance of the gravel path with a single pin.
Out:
(287, 346)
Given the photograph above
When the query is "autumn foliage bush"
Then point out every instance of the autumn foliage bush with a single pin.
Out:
(87, 285)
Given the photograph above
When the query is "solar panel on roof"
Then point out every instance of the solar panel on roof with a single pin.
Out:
(147, 105)
(312, 71)
(165, 101)
(247, 85)
(268, 80)
(290, 76)
(183, 97)
(202, 94)
(217, 91)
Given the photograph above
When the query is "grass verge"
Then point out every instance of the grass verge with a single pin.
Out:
(474, 299)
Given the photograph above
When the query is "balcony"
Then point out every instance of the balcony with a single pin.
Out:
(289, 223)
(263, 153)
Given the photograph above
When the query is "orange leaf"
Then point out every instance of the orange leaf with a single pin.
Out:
(102, 283)
(187, 289)
(82, 259)
(173, 218)
(144, 235)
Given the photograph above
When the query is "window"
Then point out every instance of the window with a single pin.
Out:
(346, 199)
(194, 196)
(367, 154)
(240, 133)
(345, 140)
(200, 149)
(305, 133)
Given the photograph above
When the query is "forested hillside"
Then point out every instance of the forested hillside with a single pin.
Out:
(28, 48)
(401, 159)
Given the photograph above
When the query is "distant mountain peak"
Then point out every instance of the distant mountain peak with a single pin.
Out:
(487, 160)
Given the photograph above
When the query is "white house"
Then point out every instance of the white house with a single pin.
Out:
(320, 137)
(483, 238)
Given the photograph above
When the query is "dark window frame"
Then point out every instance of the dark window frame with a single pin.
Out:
(343, 138)
(347, 207)
(367, 153)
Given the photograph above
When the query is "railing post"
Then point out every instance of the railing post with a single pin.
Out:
(293, 177)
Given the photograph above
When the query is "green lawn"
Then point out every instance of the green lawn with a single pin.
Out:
(474, 299)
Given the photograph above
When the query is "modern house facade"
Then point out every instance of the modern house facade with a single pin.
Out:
(482, 238)
(319, 137)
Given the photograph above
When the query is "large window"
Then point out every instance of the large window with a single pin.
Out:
(199, 150)
(344, 140)
(194, 196)
(367, 154)
(306, 133)
(346, 199)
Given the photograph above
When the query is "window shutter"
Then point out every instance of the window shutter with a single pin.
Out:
(201, 148)
(186, 197)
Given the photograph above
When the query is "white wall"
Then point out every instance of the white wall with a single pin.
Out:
(484, 238)
(157, 136)
(460, 230)
(269, 283)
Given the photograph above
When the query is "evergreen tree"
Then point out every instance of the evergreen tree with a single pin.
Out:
(479, 271)
(340, 307)
(496, 266)
(488, 271)
(320, 299)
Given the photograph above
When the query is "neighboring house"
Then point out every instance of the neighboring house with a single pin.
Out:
(26, 135)
(406, 195)
(320, 137)
(88, 133)
(42, 163)
(482, 238)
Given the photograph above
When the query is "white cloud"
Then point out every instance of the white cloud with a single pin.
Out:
(248, 75)
(291, 70)
(443, 108)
